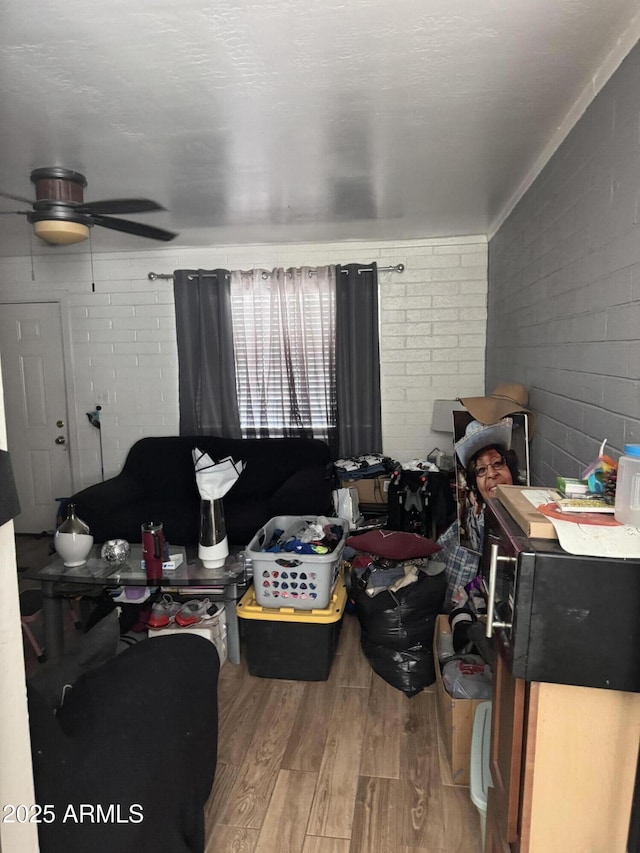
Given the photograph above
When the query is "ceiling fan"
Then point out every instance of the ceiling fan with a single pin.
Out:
(60, 216)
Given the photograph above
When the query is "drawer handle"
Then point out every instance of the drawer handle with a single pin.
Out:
(493, 573)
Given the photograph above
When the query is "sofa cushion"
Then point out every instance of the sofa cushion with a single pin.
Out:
(158, 483)
(165, 464)
(306, 490)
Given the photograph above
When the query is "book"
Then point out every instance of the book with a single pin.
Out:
(584, 505)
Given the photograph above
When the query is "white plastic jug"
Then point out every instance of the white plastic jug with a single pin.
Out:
(627, 505)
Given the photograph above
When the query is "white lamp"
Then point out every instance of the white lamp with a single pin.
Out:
(442, 418)
(442, 421)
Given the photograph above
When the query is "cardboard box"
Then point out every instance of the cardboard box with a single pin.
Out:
(532, 523)
(371, 490)
(455, 717)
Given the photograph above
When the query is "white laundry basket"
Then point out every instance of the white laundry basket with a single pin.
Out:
(284, 579)
(480, 772)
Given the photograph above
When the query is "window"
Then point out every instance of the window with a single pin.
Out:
(284, 347)
(281, 353)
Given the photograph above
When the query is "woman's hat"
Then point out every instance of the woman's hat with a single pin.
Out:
(505, 399)
(477, 436)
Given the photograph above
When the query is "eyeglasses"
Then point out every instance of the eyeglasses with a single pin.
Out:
(483, 470)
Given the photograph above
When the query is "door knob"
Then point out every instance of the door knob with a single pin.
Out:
(60, 439)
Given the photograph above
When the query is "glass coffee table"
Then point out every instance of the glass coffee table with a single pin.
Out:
(226, 584)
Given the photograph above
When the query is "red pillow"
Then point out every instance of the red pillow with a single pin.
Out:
(394, 544)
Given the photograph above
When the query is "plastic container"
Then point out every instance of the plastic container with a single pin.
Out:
(480, 773)
(303, 581)
(627, 505)
(290, 643)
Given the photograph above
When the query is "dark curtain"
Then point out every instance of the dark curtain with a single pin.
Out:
(358, 360)
(205, 353)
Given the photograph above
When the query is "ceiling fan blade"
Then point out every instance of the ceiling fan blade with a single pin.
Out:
(136, 228)
(16, 197)
(15, 212)
(121, 205)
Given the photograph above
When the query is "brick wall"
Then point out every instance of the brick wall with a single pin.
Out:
(120, 342)
(564, 287)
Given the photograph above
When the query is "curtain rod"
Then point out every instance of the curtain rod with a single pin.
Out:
(152, 276)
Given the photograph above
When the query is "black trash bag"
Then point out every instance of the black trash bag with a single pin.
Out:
(409, 670)
(397, 630)
(399, 620)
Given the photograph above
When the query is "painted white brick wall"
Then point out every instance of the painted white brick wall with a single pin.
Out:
(120, 341)
(432, 325)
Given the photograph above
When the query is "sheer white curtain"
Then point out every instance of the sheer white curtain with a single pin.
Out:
(284, 341)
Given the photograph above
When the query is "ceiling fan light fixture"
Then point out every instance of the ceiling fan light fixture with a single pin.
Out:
(61, 232)
(61, 217)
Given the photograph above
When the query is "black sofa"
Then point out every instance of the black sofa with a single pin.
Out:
(128, 761)
(157, 482)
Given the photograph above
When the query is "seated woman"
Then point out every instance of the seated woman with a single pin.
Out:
(488, 461)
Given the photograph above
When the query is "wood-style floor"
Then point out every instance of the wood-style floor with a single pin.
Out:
(348, 765)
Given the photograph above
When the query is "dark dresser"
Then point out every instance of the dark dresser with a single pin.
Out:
(566, 700)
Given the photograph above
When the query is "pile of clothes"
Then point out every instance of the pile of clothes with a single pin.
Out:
(306, 537)
(368, 465)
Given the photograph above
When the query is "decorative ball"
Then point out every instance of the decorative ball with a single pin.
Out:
(115, 551)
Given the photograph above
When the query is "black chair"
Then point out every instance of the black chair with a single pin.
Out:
(136, 736)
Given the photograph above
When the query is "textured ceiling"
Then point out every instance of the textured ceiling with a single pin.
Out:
(294, 120)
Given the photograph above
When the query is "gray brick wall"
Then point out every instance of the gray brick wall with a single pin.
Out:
(564, 287)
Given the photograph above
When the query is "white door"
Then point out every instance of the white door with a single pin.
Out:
(36, 410)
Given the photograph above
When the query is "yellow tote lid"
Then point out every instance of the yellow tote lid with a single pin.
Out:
(248, 609)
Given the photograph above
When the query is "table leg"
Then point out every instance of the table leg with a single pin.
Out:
(233, 632)
(53, 625)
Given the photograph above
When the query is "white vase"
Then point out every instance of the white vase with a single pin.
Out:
(74, 548)
(214, 556)
(73, 540)
(213, 546)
